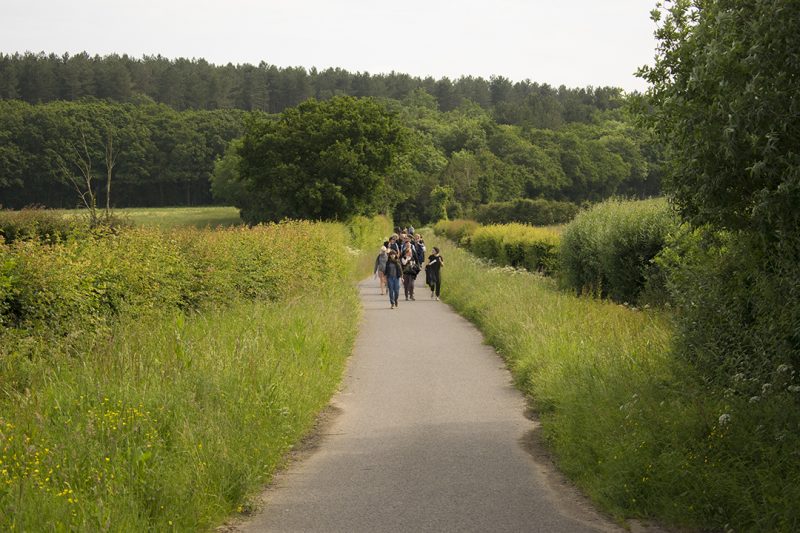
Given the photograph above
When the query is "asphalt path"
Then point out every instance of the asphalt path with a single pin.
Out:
(430, 435)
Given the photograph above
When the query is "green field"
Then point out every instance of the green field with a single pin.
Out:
(171, 217)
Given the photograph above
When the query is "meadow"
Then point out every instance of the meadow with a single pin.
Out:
(153, 380)
(173, 217)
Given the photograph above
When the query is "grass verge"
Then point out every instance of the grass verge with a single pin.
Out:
(637, 430)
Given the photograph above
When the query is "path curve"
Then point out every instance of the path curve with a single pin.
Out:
(430, 437)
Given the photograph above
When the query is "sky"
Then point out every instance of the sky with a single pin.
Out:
(576, 43)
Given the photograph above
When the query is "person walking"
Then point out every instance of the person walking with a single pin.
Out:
(380, 266)
(393, 271)
(434, 273)
(410, 271)
(420, 246)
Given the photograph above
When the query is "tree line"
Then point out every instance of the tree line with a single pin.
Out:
(161, 156)
(196, 84)
(454, 160)
(346, 156)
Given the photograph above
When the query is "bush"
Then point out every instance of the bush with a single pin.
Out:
(609, 249)
(459, 230)
(739, 302)
(42, 224)
(368, 233)
(538, 212)
(82, 283)
(518, 245)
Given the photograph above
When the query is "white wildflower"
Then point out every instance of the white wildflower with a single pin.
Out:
(724, 419)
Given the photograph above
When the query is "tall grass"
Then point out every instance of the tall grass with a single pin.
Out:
(167, 409)
(637, 430)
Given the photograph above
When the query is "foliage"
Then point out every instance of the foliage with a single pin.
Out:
(320, 160)
(80, 285)
(226, 184)
(195, 84)
(723, 101)
(721, 97)
(459, 231)
(635, 428)
(368, 233)
(518, 245)
(45, 225)
(163, 157)
(118, 410)
(539, 212)
(738, 320)
(609, 249)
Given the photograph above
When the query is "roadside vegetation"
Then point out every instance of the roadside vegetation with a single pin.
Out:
(638, 429)
(153, 380)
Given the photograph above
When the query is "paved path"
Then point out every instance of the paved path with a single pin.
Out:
(429, 439)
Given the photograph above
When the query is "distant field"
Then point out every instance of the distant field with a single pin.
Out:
(170, 217)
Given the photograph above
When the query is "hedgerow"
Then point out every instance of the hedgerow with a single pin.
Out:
(518, 245)
(609, 249)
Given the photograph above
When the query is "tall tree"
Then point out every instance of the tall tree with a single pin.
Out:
(320, 160)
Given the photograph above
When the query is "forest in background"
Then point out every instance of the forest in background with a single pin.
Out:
(170, 121)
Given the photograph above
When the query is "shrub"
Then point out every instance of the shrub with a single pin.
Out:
(45, 225)
(739, 302)
(609, 249)
(81, 283)
(368, 233)
(518, 245)
(459, 230)
(539, 212)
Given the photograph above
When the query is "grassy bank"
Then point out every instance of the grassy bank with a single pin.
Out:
(165, 412)
(637, 431)
(173, 421)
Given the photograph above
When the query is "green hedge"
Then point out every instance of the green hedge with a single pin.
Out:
(459, 230)
(518, 245)
(609, 249)
(42, 224)
(539, 212)
(82, 283)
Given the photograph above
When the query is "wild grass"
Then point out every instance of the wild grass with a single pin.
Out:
(637, 430)
(173, 396)
(173, 421)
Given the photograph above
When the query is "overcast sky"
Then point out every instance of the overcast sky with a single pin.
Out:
(571, 42)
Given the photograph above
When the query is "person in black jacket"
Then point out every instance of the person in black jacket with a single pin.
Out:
(393, 271)
(434, 272)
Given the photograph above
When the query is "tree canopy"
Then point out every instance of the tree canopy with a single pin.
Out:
(725, 99)
(321, 160)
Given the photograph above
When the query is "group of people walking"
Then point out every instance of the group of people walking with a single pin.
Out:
(400, 260)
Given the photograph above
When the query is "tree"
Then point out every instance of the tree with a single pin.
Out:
(723, 97)
(319, 160)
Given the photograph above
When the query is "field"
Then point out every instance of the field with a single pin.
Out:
(170, 217)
